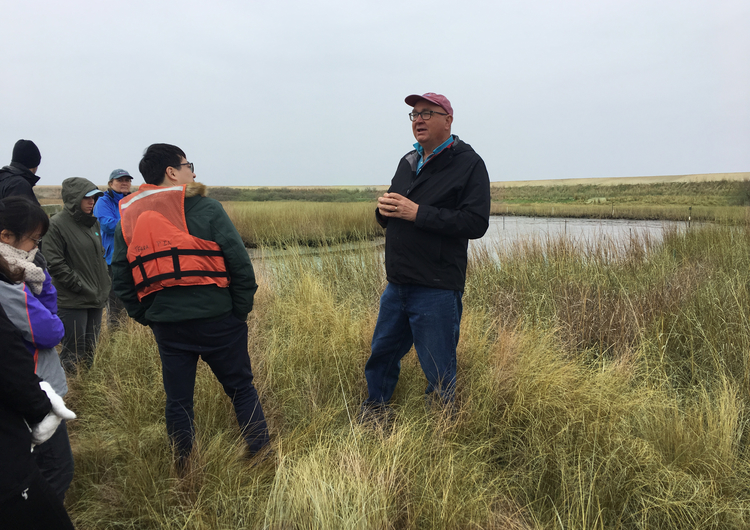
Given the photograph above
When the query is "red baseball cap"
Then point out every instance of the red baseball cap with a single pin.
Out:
(437, 99)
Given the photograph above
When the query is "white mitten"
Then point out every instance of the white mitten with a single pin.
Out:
(43, 431)
(58, 405)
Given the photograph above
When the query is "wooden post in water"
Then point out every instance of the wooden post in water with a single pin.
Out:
(690, 215)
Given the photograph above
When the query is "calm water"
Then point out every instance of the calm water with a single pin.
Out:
(503, 231)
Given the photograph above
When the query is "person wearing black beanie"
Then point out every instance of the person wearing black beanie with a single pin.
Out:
(26, 153)
(19, 177)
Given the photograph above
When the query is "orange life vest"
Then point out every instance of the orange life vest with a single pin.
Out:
(161, 251)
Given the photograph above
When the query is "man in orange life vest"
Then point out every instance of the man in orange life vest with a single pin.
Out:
(180, 267)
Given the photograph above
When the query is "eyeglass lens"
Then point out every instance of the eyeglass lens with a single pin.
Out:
(426, 115)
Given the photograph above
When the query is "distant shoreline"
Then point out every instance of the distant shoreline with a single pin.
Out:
(615, 181)
(53, 192)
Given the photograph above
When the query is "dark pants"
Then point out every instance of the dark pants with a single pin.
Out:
(35, 508)
(82, 328)
(115, 308)
(223, 346)
(429, 319)
(55, 460)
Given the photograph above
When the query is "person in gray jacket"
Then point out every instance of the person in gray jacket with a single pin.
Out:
(75, 259)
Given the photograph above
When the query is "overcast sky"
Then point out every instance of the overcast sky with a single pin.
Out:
(312, 92)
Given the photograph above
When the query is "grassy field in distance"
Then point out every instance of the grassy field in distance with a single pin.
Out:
(53, 192)
(695, 197)
(613, 181)
(718, 197)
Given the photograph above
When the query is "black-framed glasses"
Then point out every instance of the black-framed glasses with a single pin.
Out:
(36, 241)
(426, 114)
(189, 164)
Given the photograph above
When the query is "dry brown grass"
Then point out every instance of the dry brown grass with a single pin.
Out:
(614, 181)
(597, 389)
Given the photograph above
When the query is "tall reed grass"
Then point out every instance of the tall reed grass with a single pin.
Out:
(302, 223)
(598, 388)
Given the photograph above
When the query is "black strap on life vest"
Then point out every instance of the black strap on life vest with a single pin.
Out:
(178, 272)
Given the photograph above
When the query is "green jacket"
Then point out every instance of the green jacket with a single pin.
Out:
(74, 252)
(206, 219)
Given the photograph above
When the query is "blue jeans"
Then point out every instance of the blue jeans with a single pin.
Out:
(223, 346)
(428, 318)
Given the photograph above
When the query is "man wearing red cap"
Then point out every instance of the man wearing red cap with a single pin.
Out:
(439, 198)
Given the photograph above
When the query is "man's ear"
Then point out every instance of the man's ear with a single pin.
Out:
(169, 175)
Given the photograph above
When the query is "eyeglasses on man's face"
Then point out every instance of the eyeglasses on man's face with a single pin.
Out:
(425, 114)
(189, 164)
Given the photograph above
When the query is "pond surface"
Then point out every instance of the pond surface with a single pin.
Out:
(505, 230)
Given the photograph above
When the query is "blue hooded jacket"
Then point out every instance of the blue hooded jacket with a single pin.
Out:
(107, 210)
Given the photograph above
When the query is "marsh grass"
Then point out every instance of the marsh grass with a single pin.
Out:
(282, 224)
(599, 387)
(700, 212)
(707, 193)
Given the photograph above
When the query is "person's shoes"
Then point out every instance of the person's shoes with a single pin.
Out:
(434, 404)
(182, 466)
(376, 415)
(266, 455)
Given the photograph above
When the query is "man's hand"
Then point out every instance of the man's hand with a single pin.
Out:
(396, 205)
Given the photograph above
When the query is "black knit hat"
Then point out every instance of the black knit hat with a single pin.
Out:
(27, 153)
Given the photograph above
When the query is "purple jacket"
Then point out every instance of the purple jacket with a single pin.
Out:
(36, 318)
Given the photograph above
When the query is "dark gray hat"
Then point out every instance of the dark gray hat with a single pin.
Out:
(117, 173)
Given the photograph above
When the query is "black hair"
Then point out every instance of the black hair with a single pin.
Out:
(156, 159)
(13, 276)
(20, 216)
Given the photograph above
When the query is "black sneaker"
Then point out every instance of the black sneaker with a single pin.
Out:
(376, 415)
(266, 455)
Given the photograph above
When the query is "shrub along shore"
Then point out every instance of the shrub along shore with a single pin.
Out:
(597, 389)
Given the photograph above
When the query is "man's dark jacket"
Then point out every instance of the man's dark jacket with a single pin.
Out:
(16, 179)
(453, 194)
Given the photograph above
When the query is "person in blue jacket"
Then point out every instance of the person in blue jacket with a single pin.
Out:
(107, 210)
